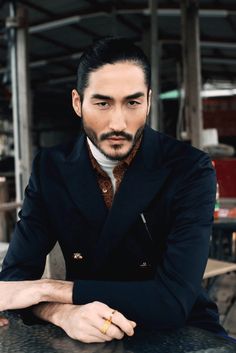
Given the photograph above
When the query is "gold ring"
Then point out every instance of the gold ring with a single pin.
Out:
(107, 323)
(105, 326)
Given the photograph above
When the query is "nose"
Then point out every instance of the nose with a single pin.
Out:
(117, 121)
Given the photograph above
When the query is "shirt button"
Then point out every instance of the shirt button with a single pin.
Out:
(104, 190)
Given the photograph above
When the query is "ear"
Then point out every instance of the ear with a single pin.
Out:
(76, 102)
(149, 101)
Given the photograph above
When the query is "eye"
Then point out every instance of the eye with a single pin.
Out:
(133, 103)
(102, 104)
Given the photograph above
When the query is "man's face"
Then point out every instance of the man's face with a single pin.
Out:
(115, 108)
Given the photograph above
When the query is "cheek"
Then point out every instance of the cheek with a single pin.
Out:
(94, 120)
(137, 120)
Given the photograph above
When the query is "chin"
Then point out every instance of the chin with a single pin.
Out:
(118, 154)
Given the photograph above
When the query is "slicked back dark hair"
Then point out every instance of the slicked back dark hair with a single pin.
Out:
(110, 50)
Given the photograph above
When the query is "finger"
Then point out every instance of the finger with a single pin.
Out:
(88, 334)
(95, 335)
(92, 329)
(124, 324)
(117, 318)
(112, 331)
(133, 324)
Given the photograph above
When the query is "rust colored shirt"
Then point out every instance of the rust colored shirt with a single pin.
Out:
(104, 180)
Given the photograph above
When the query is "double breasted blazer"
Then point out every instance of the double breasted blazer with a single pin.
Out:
(146, 255)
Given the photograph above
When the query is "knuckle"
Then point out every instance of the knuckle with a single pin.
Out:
(96, 302)
(123, 317)
(95, 305)
(119, 316)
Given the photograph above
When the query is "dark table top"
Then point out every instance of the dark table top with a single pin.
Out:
(19, 338)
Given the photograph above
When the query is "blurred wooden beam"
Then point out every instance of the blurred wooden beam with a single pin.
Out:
(17, 23)
(9, 206)
(155, 119)
(192, 71)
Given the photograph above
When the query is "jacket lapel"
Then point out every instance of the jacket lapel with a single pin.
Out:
(81, 182)
(142, 181)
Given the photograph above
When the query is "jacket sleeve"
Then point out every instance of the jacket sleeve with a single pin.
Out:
(32, 239)
(166, 301)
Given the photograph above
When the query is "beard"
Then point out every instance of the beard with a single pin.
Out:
(117, 146)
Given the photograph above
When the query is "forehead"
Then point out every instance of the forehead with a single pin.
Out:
(122, 77)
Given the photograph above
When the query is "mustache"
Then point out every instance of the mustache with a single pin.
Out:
(123, 134)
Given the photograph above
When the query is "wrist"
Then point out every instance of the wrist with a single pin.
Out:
(44, 289)
(56, 291)
(60, 314)
(55, 313)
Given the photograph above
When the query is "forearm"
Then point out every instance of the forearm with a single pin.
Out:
(56, 297)
(56, 291)
(23, 294)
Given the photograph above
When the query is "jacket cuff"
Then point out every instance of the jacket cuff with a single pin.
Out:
(75, 293)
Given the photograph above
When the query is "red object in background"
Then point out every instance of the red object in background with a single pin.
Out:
(219, 112)
(226, 176)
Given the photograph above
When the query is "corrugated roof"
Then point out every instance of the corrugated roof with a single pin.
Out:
(60, 29)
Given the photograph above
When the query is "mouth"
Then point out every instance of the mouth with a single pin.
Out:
(116, 138)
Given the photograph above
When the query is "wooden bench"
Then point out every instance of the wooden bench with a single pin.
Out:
(216, 268)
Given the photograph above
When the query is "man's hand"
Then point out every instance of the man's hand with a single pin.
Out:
(81, 322)
(3, 321)
(84, 322)
(22, 294)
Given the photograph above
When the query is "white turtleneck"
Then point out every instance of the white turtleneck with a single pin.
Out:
(105, 163)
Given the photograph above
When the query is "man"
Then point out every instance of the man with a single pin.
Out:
(130, 207)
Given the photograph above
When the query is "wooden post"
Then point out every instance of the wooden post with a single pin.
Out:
(3, 199)
(20, 97)
(155, 119)
(192, 71)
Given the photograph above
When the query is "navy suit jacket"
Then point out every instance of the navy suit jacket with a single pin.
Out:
(152, 276)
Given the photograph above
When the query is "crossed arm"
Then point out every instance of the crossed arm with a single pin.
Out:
(52, 301)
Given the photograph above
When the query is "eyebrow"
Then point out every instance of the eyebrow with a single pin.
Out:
(135, 95)
(100, 96)
(131, 96)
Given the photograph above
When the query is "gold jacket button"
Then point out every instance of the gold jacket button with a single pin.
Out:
(77, 256)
